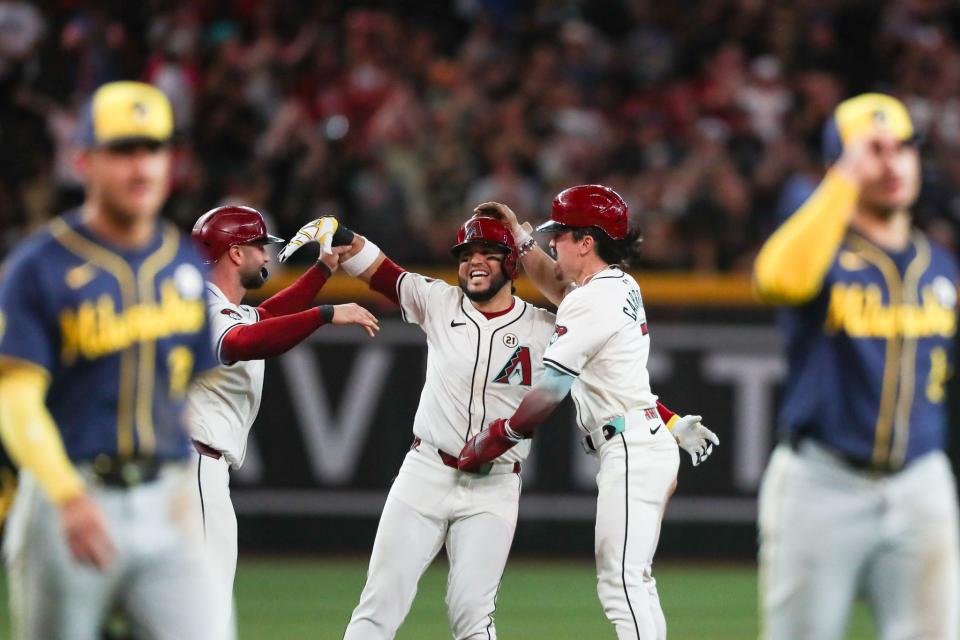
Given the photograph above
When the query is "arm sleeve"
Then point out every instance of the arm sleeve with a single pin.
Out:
(298, 296)
(668, 416)
(272, 336)
(540, 401)
(30, 435)
(793, 262)
(384, 279)
(582, 328)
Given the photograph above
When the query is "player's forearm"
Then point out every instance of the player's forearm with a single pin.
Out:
(30, 435)
(298, 296)
(273, 336)
(793, 262)
(539, 267)
(540, 402)
(384, 279)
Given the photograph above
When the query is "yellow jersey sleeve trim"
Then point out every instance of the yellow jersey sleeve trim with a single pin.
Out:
(672, 421)
(30, 435)
(792, 263)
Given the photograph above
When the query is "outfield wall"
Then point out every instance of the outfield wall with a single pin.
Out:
(336, 422)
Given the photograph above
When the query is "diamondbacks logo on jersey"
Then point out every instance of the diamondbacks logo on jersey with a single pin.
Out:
(558, 331)
(517, 368)
(230, 313)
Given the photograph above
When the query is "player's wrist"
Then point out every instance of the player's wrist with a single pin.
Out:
(326, 312)
(509, 433)
(362, 260)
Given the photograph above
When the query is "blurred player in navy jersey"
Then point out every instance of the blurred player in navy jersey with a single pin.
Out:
(104, 326)
(859, 499)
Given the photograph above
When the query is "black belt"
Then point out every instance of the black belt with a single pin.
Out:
(855, 463)
(125, 472)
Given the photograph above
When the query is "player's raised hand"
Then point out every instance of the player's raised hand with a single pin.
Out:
(501, 212)
(694, 438)
(352, 313)
(861, 160)
(86, 531)
(488, 445)
(325, 231)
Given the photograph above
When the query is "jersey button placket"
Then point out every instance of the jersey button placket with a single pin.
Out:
(480, 377)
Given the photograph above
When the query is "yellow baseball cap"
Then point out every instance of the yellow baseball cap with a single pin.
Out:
(864, 113)
(127, 112)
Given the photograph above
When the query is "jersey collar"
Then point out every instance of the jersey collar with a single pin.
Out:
(480, 319)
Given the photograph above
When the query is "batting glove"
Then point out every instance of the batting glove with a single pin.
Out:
(694, 438)
(488, 445)
(325, 231)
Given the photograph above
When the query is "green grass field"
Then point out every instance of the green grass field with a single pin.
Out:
(299, 598)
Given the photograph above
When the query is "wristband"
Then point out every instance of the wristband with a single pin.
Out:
(510, 433)
(326, 313)
(363, 260)
(526, 246)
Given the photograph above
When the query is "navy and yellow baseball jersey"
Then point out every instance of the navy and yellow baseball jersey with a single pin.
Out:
(120, 332)
(869, 332)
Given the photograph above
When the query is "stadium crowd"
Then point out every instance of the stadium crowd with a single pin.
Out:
(400, 116)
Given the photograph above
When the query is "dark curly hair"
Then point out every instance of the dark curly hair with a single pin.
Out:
(619, 252)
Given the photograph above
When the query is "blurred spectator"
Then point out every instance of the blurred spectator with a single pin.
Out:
(706, 115)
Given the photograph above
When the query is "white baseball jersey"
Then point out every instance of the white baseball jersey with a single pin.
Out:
(601, 337)
(224, 403)
(459, 399)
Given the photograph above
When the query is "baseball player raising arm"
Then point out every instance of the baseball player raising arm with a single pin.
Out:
(692, 436)
(484, 349)
(223, 405)
(859, 497)
(102, 328)
(598, 353)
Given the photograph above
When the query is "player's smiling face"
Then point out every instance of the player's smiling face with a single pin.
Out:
(481, 271)
(130, 182)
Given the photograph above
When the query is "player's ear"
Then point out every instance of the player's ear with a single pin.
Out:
(589, 244)
(235, 254)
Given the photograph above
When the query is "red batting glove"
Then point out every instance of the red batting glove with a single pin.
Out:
(485, 446)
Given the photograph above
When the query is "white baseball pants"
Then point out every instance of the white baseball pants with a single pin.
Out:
(211, 503)
(159, 576)
(829, 533)
(638, 473)
(430, 505)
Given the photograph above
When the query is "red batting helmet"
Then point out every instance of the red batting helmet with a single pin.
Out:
(219, 229)
(489, 231)
(589, 205)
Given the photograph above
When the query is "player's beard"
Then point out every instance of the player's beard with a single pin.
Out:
(496, 283)
(254, 279)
